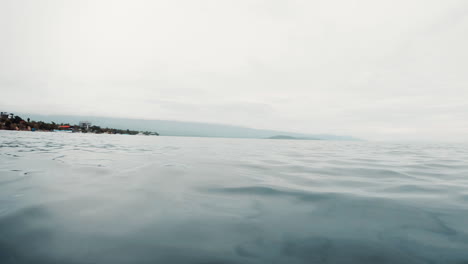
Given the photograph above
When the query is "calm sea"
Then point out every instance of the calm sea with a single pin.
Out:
(81, 198)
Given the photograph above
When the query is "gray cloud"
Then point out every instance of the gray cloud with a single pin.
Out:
(373, 69)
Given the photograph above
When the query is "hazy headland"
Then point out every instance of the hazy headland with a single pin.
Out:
(190, 129)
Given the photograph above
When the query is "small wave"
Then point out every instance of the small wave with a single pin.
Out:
(269, 191)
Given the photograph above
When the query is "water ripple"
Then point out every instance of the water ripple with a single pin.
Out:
(83, 198)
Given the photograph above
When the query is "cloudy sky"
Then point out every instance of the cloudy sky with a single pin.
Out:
(383, 70)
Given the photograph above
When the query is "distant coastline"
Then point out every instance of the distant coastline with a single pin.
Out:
(10, 121)
(184, 128)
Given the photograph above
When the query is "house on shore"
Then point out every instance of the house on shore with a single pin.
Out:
(85, 125)
(6, 115)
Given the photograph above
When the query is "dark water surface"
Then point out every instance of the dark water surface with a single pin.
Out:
(77, 198)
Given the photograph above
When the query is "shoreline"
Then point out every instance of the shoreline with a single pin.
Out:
(11, 122)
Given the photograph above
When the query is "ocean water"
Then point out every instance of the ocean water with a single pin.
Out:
(82, 198)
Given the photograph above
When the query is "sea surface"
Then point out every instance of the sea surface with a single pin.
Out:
(85, 198)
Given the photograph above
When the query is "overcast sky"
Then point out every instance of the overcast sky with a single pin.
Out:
(382, 70)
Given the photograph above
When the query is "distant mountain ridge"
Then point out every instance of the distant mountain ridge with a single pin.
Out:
(293, 138)
(180, 128)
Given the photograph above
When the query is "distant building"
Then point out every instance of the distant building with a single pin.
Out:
(85, 125)
(6, 115)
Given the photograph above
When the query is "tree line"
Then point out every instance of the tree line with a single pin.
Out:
(14, 122)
